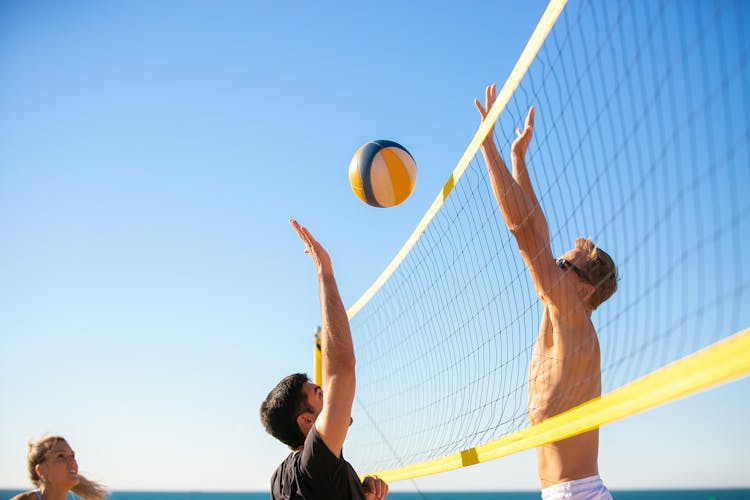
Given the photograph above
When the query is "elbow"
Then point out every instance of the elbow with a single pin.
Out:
(349, 364)
(519, 222)
(343, 365)
(520, 229)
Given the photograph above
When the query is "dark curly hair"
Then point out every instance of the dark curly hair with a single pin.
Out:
(282, 406)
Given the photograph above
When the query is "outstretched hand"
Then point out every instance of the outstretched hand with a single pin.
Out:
(521, 144)
(490, 94)
(523, 139)
(319, 256)
(375, 488)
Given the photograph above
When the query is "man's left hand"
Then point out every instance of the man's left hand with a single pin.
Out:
(375, 488)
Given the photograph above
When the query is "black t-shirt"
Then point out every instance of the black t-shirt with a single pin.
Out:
(315, 474)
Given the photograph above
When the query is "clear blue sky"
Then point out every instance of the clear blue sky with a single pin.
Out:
(151, 154)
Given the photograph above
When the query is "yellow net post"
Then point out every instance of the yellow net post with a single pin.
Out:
(317, 363)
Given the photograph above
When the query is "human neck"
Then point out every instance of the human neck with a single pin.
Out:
(52, 493)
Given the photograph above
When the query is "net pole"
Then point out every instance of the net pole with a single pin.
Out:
(317, 359)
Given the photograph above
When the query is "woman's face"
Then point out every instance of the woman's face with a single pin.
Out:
(59, 467)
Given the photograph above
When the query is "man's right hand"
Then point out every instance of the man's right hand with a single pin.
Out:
(319, 256)
(337, 351)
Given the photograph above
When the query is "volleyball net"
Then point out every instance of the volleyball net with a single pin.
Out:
(641, 142)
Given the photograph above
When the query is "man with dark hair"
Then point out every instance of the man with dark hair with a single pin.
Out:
(296, 413)
(565, 368)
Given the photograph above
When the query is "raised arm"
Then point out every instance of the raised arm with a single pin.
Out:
(518, 202)
(336, 347)
(520, 212)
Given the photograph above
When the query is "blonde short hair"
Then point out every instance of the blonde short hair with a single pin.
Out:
(600, 269)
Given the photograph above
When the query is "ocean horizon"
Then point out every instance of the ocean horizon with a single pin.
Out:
(693, 494)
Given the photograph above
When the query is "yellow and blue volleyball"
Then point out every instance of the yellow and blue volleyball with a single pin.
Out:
(382, 173)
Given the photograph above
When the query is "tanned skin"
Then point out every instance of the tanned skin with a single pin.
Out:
(565, 365)
(331, 414)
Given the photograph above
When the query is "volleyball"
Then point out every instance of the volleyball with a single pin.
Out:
(382, 173)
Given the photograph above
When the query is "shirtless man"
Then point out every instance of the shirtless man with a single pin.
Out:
(565, 365)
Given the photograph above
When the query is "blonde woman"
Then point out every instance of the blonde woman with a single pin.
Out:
(54, 471)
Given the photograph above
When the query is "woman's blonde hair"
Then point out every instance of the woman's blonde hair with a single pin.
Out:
(85, 489)
(600, 269)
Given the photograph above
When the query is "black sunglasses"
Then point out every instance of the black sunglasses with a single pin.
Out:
(565, 264)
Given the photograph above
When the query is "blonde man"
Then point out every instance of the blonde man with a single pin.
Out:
(565, 366)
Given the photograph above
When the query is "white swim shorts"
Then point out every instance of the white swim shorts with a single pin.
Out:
(588, 488)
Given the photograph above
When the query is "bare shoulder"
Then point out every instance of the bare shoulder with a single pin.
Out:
(549, 281)
(29, 495)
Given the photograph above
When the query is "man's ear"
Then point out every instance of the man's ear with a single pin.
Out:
(305, 422)
(585, 291)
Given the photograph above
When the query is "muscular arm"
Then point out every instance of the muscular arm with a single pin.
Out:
(337, 351)
(519, 205)
(564, 369)
(521, 176)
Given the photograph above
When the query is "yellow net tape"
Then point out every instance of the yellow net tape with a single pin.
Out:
(722, 362)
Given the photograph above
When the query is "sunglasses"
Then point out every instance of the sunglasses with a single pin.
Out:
(565, 264)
